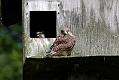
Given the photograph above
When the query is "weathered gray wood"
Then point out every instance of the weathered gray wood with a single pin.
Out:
(36, 46)
(95, 23)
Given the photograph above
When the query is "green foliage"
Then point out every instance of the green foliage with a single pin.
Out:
(10, 53)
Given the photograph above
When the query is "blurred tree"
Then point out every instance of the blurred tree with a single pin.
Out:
(11, 52)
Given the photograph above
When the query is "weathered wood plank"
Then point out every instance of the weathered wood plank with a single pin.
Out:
(95, 23)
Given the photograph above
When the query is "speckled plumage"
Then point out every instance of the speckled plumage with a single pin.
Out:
(63, 45)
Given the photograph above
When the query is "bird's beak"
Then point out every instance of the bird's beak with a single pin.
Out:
(65, 32)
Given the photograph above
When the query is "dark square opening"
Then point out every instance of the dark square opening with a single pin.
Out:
(43, 21)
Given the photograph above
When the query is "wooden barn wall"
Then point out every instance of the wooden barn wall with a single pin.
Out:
(95, 23)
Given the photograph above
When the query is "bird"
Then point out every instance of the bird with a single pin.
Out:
(40, 34)
(64, 44)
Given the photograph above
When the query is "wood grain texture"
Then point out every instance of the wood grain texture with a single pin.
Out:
(95, 23)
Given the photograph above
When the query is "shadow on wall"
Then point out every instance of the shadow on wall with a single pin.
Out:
(85, 68)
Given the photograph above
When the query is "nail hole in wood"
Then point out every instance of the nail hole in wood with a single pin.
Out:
(58, 5)
(27, 3)
(58, 12)
(26, 13)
